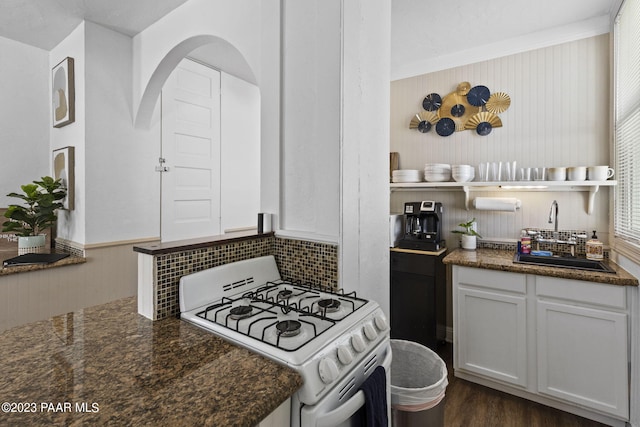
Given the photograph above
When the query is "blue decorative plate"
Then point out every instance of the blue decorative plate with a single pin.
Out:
(484, 128)
(478, 95)
(458, 110)
(432, 102)
(424, 126)
(445, 126)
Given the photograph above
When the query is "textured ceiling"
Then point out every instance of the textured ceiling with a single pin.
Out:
(419, 28)
(45, 23)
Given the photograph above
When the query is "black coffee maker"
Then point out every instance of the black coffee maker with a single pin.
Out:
(422, 223)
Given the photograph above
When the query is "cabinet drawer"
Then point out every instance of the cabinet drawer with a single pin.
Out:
(492, 279)
(581, 291)
(413, 263)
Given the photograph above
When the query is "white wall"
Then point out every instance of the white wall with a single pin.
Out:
(335, 135)
(71, 224)
(122, 186)
(310, 203)
(364, 204)
(24, 116)
(240, 153)
(559, 116)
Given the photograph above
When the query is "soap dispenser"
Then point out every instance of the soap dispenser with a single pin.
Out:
(595, 248)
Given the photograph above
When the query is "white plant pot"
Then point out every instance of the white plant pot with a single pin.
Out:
(468, 242)
(31, 244)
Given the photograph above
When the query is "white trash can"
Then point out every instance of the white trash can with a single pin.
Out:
(418, 384)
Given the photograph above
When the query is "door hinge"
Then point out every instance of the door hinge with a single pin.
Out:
(160, 167)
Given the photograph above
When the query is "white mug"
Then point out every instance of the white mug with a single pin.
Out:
(577, 173)
(557, 174)
(599, 173)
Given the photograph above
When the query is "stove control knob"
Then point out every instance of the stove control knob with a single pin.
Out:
(358, 343)
(344, 355)
(370, 332)
(381, 322)
(328, 370)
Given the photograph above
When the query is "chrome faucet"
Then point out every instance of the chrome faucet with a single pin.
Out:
(555, 216)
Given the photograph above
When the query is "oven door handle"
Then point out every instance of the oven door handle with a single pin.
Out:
(351, 406)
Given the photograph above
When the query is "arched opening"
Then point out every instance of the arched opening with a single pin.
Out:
(212, 50)
(211, 179)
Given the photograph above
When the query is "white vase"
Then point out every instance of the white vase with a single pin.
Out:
(31, 244)
(468, 242)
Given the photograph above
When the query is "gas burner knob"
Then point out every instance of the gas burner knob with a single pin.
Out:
(344, 355)
(370, 332)
(358, 343)
(328, 370)
(381, 322)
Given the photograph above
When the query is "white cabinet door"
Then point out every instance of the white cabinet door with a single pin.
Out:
(491, 334)
(582, 356)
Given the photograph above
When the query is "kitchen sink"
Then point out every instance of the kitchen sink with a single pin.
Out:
(563, 262)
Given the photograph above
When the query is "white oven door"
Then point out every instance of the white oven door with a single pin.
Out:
(340, 408)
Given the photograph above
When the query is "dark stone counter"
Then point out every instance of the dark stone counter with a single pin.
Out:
(107, 365)
(495, 259)
(70, 260)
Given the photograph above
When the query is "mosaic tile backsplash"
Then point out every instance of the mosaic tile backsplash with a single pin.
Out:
(556, 248)
(310, 262)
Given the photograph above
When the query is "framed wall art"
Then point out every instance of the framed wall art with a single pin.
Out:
(63, 93)
(63, 164)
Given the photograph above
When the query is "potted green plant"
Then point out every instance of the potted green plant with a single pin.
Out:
(41, 200)
(469, 234)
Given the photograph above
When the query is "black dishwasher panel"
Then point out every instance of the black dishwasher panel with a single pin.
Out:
(418, 298)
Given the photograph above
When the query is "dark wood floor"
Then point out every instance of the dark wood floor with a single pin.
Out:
(468, 404)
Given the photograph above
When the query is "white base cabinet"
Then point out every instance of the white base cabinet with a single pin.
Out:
(563, 343)
(496, 346)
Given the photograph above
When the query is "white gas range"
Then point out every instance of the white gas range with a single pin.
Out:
(335, 340)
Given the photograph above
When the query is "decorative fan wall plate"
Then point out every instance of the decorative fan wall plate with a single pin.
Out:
(423, 121)
(466, 108)
(484, 116)
(498, 102)
(456, 108)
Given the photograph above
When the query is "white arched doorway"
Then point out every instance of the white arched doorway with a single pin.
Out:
(210, 138)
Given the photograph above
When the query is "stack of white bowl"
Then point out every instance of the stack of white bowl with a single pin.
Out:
(437, 172)
(463, 173)
(406, 175)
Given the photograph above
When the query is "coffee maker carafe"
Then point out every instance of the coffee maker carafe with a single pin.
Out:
(423, 221)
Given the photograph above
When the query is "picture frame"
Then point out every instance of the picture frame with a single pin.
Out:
(63, 93)
(63, 164)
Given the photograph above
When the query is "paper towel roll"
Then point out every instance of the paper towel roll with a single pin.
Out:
(507, 204)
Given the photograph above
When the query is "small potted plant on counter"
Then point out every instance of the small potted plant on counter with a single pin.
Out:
(42, 199)
(469, 234)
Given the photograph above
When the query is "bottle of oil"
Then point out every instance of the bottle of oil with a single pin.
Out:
(595, 248)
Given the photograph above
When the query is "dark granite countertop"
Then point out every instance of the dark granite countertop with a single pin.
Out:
(133, 371)
(70, 260)
(495, 259)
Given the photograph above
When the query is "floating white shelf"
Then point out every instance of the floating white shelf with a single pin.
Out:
(591, 186)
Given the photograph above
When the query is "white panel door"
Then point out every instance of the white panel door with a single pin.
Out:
(190, 202)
